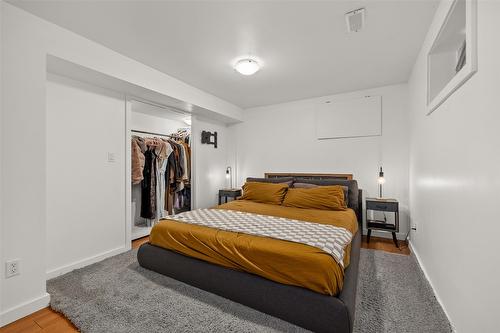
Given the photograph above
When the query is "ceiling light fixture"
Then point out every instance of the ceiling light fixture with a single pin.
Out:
(247, 66)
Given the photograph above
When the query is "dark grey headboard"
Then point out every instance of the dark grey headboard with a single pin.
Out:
(316, 176)
(345, 179)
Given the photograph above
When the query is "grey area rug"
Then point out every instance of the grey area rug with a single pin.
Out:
(117, 295)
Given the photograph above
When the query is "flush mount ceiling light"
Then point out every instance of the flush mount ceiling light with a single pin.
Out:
(247, 66)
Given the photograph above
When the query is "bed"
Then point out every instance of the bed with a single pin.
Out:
(310, 298)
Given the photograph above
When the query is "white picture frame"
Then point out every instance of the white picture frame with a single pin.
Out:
(470, 67)
(349, 118)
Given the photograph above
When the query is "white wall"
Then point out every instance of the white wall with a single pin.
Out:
(2, 273)
(26, 42)
(85, 191)
(455, 181)
(149, 123)
(23, 165)
(282, 138)
(211, 163)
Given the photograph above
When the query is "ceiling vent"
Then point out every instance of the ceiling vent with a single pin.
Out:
(355, 20)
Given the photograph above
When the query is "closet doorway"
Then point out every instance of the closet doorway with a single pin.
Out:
(160, 164)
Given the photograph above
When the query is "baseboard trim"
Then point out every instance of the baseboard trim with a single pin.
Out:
(24, 309)
(412, 249)
(84, 262)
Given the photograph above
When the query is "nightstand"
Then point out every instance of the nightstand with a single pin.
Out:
(229, 193)
(383, 205)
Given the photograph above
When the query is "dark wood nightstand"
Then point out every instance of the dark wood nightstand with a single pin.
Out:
(229, 193)
(383, 205)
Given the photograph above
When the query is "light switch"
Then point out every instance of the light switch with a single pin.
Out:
(111, 157)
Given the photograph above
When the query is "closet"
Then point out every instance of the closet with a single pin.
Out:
(93, 210)
(160, 151)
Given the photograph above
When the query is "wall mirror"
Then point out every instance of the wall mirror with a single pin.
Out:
(452, 58)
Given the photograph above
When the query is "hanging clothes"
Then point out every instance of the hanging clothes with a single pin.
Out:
(163, 151)
(138, 149)
(148, 193)
(163, 168)
(170, 183)
(177, 185)
(182, 193)
(187, 172)
(184, 161)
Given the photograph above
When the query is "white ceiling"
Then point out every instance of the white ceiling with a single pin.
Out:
(303, 45)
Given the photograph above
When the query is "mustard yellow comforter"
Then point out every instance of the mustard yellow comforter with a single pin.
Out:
(277, 260)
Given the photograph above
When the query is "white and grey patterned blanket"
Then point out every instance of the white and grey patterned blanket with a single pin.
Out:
(328, 238)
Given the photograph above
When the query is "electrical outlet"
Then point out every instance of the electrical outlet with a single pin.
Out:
(12, 268)
(414, 227)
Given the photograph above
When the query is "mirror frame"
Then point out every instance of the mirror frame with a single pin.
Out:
(470, 67)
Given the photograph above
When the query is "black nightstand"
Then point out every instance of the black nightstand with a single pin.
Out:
(383, 205)
(229, 193)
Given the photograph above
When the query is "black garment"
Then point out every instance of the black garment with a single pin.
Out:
(179, 168)
(170, 184)
(184, 199)
(148, 187)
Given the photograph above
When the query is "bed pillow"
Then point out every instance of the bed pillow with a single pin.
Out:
(353, 192)
(281, 180)
(307, 185)
(321, 197)
(269, 193)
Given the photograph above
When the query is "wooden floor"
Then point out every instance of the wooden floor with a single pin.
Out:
(49, 321)
(385, 244)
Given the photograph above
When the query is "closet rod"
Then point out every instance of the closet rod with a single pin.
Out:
(152, 133)
(161, 106)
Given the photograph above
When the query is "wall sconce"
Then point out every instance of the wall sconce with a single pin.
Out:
(229, 176)
(206, 137)
(381, 181)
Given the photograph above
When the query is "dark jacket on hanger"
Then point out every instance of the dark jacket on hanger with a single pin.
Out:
(148, 194)
(170, 183)
(178, 165)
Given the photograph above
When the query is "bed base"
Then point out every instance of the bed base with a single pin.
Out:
(300, 306)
